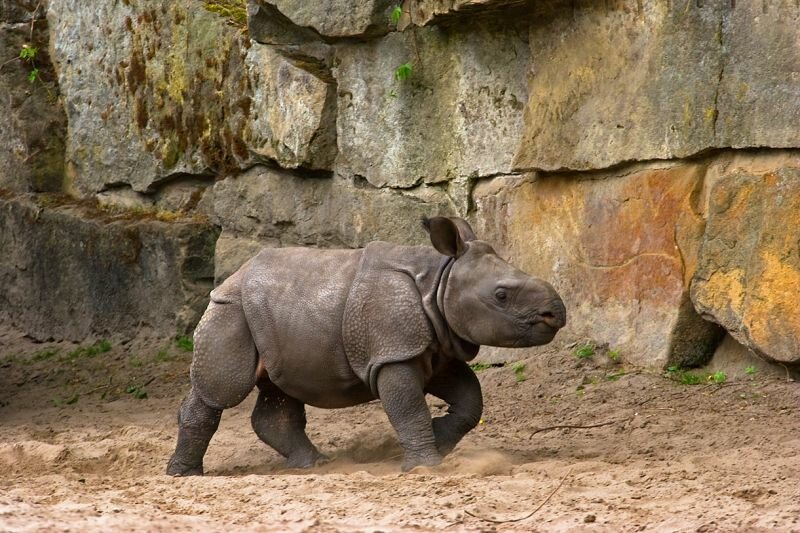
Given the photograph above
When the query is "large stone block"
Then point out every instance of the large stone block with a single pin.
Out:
(612, 82)
(619, 248)
(281, 208)
(70, 271)
(748, 274)
(151, 89)
(422, 12)
(293, 111)
(759, 89)
(459, 113)
(269, 207)
(32, 122)
(339, 18)
(609, 84)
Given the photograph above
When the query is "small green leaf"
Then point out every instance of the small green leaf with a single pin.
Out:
(403, 72)
(184, 343)
(585, 351)
(688, 378)
(32, 75)
(397, 12)
(137, 392)
(27, 52)
(717, 377)
(750, 370)
(518, 368)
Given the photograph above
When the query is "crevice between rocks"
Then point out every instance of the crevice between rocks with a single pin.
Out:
(723, 57)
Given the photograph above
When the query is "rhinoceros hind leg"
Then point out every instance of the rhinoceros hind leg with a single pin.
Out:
(457, 385)
(223, 373)
(197, 423)
(280, 421)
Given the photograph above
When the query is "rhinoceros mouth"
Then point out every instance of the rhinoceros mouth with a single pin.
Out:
(536, 334)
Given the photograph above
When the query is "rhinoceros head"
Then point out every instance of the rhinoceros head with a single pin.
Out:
(486, 300)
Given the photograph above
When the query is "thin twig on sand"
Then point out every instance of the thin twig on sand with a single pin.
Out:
(574, 426)
(492, 520)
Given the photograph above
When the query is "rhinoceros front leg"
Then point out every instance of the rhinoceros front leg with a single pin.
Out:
(457, 385)
(400, 388)
(280, 421)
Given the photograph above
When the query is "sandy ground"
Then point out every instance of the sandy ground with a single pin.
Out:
(80, 452)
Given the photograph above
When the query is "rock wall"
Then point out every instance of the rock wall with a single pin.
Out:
(640, 154)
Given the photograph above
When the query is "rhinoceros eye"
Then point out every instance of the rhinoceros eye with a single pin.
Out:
(501, 294)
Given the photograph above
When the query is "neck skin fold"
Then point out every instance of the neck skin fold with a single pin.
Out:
(451, 344)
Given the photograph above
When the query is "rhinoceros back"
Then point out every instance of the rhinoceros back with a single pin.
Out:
(294, 300)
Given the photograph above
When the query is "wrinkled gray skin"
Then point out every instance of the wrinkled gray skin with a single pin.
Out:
(335, 328)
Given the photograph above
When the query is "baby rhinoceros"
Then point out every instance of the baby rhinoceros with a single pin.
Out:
(336, 328)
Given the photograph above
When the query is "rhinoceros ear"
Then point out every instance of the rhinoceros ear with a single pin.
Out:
(449, 235)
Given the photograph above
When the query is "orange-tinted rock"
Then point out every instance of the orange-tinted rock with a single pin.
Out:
(619, 249)
(748, 276)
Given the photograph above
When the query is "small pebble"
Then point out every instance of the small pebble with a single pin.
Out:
(589, 519)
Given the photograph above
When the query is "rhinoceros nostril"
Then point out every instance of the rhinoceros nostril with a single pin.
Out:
(547, 317)
(554, 318)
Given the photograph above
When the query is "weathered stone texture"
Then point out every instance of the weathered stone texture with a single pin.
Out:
(626, 81)
(151, 89)
(338, 18)
(293, 111)
(422, 12)
(13, 11)
(267, 25)
(616, 84)
(620, 249)
(269, 207)
(279, 208)
(69, 273)
(759, 90)
(748, 275)
(459, 114)
(32, 122)
(734, 360)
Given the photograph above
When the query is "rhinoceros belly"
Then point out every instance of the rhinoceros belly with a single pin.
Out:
(294, 299)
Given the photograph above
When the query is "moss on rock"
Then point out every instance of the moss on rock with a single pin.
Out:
(233, 10)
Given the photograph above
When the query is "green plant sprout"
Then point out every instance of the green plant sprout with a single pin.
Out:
(477, 367)
(518, 370)
(395, 15)
(137, 391)
(184, 343)
(717, 377)
(585, 351)
(27, 54)
(101, 346)
(687, 378)
(403, 72)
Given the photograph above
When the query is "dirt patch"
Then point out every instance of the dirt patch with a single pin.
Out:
(81, 450)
